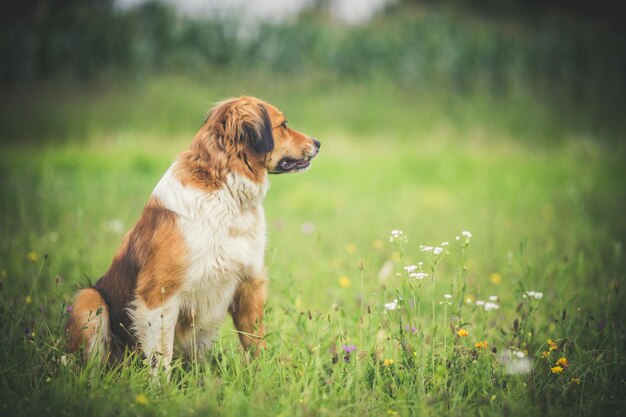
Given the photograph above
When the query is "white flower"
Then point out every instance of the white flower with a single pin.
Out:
(515, 362)
(410, 268)
(437, 250)
(448, 296)
(418, 275)
(466, 234)
(397, 236)
(392, 305)
(480, 303)
(426, 249)
(458, 238)
(493, 298)
(444, 243)
(420, 264)
(491, 306)
(534, 294)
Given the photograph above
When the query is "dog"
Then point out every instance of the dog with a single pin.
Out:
(197, 252)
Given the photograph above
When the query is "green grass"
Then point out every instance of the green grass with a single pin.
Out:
(543, 198)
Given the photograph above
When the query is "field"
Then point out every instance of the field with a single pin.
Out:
(541, 192)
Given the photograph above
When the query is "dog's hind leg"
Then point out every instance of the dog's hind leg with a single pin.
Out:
(247, 312)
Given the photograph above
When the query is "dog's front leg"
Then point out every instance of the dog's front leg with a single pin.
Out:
(247, 312)
(155, 327)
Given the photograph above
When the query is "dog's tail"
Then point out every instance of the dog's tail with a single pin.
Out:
(88, 325)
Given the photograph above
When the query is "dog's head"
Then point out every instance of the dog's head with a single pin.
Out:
(257, 133)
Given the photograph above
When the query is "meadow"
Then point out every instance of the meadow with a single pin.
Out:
(499, 293)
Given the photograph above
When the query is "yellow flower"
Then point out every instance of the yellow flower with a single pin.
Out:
(495, 278)
(388, 362)
(545, 354)
(345, 282)
(32, 256)
(28, 299)
(378, 244)
(141, 399)
(351, 248)
(575, 380)
(462, 333)
(481, 345)
(392, 412)
(553, 345)
(562, 362)
(556, 370)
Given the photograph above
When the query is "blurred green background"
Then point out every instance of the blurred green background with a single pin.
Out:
(505, 118)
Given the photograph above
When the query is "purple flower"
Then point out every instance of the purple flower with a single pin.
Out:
(348, 348)
(69, 309)
(413, 329)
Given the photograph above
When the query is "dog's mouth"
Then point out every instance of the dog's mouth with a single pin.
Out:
(292, 165)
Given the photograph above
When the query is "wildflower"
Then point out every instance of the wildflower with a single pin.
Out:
(28, 299)
(462, 333)
(556, 370)
(466, 234)
(413, 329)
(493, 298)
(437, 250)
(392, 412)
(491, 306)
(69, 309)
(480, 303)
(344, 282)
(515, 362)
(32, 256)
(545, 354)
(444, 243)
(533, 294)
(141, 399)
(575, 380)
(388, 362)
(351, 248)
(481, 345)
(397, 237)
(562, 362)
(348, 349)
(426, 249)
(495, 278)
(470, 299)
(447, 296)
(552, 344)
(410, 268)
(418, 275)
(392, 305)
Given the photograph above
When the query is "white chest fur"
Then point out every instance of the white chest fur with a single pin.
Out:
(224, 231)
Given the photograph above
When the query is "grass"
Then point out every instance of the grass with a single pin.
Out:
(542, 197)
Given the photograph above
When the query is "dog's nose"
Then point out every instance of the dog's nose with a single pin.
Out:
(317, 143)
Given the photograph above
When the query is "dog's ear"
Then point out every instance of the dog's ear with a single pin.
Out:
(259, 135)
(240, 121)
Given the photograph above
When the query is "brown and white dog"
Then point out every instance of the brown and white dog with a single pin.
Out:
(197, 252)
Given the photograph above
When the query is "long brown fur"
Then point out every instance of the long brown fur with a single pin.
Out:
(246, 136)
